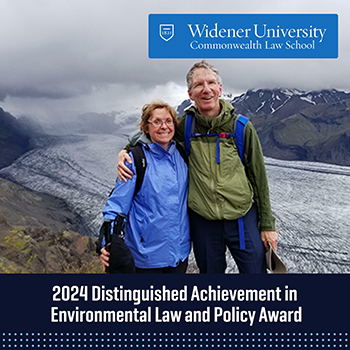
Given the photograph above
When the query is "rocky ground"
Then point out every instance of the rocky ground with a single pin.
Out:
(37, 235)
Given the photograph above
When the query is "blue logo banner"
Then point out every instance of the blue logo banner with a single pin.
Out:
(243, 36)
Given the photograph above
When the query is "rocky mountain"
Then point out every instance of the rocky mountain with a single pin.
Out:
(18, 135)
(180, 110)
(14, 138)
(38, 234)
(282, 103)
(297, 125)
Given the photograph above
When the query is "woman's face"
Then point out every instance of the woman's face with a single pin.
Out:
(161, 127)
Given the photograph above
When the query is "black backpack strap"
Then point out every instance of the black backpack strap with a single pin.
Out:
(182, 152)
(189, 130)
(140, 165)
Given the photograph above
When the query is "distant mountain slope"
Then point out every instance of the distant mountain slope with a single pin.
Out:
(14, 138)
(295, 125)
(86, 123)
(282, 103)
(17, 135)
(23, 207)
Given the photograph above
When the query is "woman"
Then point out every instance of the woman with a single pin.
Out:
(157, 228)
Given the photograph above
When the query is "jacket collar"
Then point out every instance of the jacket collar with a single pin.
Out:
(159, 151)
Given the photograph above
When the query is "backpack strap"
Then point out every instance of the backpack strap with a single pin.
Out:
(140, 165)
(189, 128)
(239, 130)
(182, 152)
(189, 133)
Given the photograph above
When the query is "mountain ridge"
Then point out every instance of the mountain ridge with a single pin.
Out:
(312, 125)
(14, 138)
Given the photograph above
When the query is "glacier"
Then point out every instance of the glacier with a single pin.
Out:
(309, 200)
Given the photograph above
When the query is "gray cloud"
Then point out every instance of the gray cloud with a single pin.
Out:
(93, 55)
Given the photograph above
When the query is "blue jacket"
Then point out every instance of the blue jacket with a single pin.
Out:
(157, 229)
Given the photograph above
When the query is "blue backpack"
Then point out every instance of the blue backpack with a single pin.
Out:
(238, 133)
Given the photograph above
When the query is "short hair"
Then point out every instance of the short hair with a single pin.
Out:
(147, 110)
(202, 64)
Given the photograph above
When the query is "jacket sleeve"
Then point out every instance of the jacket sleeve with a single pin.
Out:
(256, 173)
(122, 196)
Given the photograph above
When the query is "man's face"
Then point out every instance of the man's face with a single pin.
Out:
(205, 92)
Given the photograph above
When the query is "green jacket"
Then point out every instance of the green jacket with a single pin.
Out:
(223, 191)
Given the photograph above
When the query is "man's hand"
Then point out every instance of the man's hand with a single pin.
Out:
(104, 258)
(269, 236)
(124, 173)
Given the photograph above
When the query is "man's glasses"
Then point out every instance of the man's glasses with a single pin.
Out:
(158, 123)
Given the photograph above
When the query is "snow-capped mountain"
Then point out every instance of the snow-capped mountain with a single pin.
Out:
(283, 102)
(300, 125)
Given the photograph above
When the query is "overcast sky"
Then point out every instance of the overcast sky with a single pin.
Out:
(61, 57)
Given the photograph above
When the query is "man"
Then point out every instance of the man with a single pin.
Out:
(222, 191)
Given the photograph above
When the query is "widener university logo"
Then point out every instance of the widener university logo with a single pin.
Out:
(166, 31)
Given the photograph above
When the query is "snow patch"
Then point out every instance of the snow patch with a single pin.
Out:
(308, 99)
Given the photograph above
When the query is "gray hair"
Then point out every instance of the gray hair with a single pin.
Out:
(202, 64)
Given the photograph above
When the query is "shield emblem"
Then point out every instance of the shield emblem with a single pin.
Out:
(166, 31)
